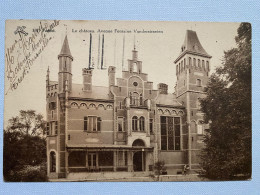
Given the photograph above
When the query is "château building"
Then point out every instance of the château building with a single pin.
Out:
(127, 126)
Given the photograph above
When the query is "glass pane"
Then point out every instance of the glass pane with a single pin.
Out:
(94, 160)
(177, 143)
(94, 123)
(163, 119)
(89, 160)
(90, 123)
(170, 143)
(177, 130)
(163, 129)
(119, 126)
(170, 120)
(176, 120)
(164, 142)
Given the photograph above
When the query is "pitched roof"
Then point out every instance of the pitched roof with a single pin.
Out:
(168, 100)
(97, 92)
(65, 50)
(192, 45)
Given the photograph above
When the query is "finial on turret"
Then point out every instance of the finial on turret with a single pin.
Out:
(134, 44)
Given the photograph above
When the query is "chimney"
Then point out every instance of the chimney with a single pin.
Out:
(87, 79)
(111, 75)
(162, 88)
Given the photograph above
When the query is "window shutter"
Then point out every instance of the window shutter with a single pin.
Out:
(99, 124)
(85, 123)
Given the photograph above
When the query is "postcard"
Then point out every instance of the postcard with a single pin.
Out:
(127, 101)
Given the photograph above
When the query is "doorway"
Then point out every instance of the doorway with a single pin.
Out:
(138, 161)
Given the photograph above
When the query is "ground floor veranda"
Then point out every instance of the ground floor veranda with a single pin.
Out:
(134, 159)
(107, 160)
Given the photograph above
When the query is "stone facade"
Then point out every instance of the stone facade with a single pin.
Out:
(127, 126)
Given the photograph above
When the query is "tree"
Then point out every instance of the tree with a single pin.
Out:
(28, 122)
(227, 109)
(24, 143)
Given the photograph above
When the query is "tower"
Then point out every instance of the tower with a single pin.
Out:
(135, 65)
(192, 71)
(65, 60)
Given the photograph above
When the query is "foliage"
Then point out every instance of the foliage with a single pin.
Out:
(28, 122)
(30, 174)
(24, 144)
(159, 169)
(227, 108)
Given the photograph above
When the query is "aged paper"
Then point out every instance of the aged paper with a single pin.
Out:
(118, 99)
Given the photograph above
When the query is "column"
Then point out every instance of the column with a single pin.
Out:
(130, 161)
(115, 160)
(67, 162)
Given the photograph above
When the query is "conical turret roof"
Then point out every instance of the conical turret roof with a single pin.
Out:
(65, 50)
(192, 45)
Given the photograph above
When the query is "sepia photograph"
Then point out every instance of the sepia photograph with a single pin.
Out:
(127, 101)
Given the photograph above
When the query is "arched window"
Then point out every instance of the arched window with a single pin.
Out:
(138, 142)
(198, 103)
(199, 63)
(134, 123)
(194, 62)
(182, 65)
(207, 65)
(141, 123)
(177, 68)
(190, 64)
(184, 62)
(52, 162)
(203, 64)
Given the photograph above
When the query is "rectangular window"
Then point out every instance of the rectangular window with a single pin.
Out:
(92, 123)
(52, 105)
(48, 129)
(177, 129)
(120, 124)
(120, 105)
(163, 133)
(151, 125)
(200, 130)
(170, 133)
(56, 127)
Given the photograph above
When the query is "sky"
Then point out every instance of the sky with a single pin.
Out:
(157, 51)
